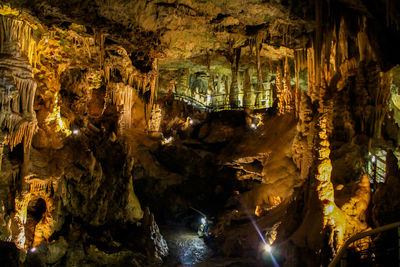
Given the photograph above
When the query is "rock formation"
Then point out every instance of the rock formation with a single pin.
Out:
(276, 121)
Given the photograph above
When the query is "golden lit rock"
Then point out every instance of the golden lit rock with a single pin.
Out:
(265, 124)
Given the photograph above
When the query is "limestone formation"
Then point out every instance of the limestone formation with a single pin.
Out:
(269, 128)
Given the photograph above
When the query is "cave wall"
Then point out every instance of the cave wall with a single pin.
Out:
(73, 154)
(77, 104)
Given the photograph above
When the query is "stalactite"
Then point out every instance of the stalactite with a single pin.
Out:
(122, 97)
(391, 15)
(317, 44)
(153, 86)
(312, 92)
(342, 52)
(100, 40)
(365, 50)
(38, 186)
(13, 30)
(146, 83)
(259, 71)
(287, 88)
(107, 70)
(300, 61)
(251, 45)
(381, 100)
(17, 119)
(130, 79)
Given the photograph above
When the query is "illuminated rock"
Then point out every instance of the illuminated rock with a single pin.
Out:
(17, 119)
(85, 145)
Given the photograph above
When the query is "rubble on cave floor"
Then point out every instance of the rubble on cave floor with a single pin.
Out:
(185, 246)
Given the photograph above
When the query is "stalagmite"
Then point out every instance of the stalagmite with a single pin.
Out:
(329, 67)
(247, 89)
(300, 61)
(122, 96)
(279, 89)
(234, 89)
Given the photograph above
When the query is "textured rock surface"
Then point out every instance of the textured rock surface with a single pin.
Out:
(86, 142)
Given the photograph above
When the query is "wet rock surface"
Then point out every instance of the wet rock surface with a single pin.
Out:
(185, 246)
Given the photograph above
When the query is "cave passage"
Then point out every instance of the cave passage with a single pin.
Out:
(35, 211)
(185, 246)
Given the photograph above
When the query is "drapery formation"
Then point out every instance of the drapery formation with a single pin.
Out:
(17, 87)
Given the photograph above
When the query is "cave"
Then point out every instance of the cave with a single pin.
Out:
(200, 133)
(35, 212)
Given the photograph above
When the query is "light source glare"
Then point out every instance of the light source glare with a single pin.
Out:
(203, 220)
(167, 140)
(33, 249)
(253, 126)
(191, 121)
(373, 159)
(267, 248)
(75, 131)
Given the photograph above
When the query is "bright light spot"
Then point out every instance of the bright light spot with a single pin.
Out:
(267, 248)
(191, 121)
(75, 131)
(203, 220)
(33, 249)
(253, 126)
(208, 98)
(167, 140)
(373, 159)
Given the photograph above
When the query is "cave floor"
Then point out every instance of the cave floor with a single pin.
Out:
(185, 247)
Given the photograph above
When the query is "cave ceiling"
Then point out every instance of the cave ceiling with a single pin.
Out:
(200, 31)
(178, 31)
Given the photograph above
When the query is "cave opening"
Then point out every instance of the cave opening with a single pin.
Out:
(35, 213)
